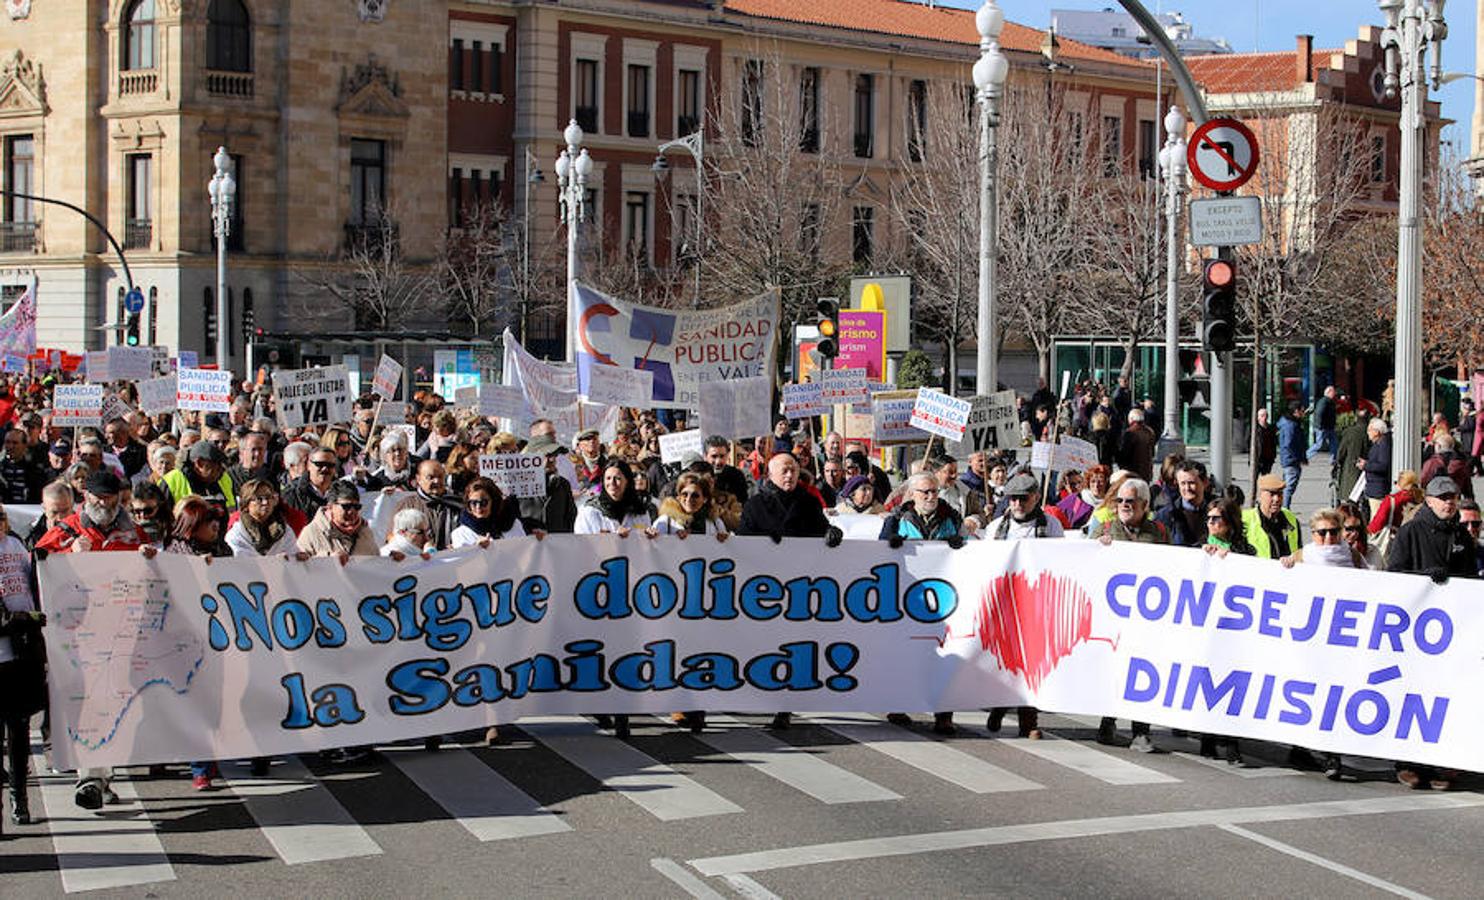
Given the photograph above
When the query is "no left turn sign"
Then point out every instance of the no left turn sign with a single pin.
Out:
(1222, 154)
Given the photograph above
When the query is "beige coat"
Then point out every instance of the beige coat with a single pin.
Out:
(320, 538)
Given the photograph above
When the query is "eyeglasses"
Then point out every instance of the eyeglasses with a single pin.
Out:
(350, 507)
(1212, 520)
(925, 491)
(1473, 525)
(477, 502)
(321, 464)
(1352, 529)
(263, 500)
(1326, 532)
(1128, 501)
(142, 511)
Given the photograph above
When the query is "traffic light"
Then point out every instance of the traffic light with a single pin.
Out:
(249, 329)
(131, 330)
(827, 312)
(1219, 305)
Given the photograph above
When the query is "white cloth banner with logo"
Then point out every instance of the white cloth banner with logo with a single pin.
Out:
(683, 348)
(170, 659)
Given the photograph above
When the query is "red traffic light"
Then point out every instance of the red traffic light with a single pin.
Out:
(1220, 273)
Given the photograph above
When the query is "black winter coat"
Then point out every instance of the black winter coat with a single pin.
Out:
(773, 513)
(1427, 545)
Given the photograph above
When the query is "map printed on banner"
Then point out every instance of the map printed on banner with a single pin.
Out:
(737, 409)
(317, 396)
(801, 400)
(674, 446)
(515, 474)
(993, 425)
(388, 378)
(892, 414)
(158, 395)
(683, 348)
(625, 387)
(844, 386)
(77, 404)
(940, 414)
(208, 390)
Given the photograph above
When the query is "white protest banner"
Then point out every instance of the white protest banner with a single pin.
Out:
(737, 409)
(273, 657)
(624, 387)
(387, 379)
(892, 413)
(186, 359)
(158, 395)
(500, 400)
(872, 387)
(674, 446)
(843, 386)
(14, 363)
(993, 425)
(77, 404)
(1072, 454)
(937, 413)
(515, 474)
(95, 362)
(131, 363)
(114, 407)
(204, 389)
(317, 396)
(683, 348)
(545, 386)
(800, 400)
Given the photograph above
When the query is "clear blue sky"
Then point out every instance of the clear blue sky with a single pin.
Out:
(1265, 25)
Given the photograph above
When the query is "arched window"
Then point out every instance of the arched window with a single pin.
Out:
(139, 35)
(228, 37)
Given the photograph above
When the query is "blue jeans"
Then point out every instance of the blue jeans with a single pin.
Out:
(1324, 439)
(1290, 484)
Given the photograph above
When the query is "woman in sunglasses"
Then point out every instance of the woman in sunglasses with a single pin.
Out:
(1224, 532)
(486, 516)
(338, 439)
(1328, 547)
(690, 510)
(1353, 530)
(263, 526)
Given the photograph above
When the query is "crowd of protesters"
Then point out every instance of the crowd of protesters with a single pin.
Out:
(234, 483)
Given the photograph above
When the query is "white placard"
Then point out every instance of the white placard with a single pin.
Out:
(114, 407)
(891, 413)
(77, 404)
(624, 387)
(843, 386)
(993, 425)
(801, 400)
(318, 396)
(940, 414)
(387, 379)
(158, 395)
(515, 474)
(209, 390)
(737, 409)
(500, 400)
(466, 396)
(674, 447)
(131, 363)
(863, 407)
(96, 364)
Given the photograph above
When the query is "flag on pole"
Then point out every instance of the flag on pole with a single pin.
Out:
(18, 325)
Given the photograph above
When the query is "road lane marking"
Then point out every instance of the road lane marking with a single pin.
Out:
(1320, 861)
(796, 767)
(1222, 765)
(658, 789)
(112, 848)
(1105, 767)
(933, 757)
(480, 799)
(910, 844)
(687, 882)
(300, 817)
(749, 888)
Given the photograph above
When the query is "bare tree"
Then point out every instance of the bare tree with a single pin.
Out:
(486, 278)
(371, 280)
(1129, 262)
(1452, 269)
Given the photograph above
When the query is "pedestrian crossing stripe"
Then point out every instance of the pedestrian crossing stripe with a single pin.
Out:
(304, 822)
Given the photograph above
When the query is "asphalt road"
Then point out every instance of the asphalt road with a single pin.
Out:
(836, 806)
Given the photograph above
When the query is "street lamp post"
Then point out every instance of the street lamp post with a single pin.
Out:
(573, 167)
(533, 177)
(694, 144)
(1412, 26)
(1172, 164)
(223, 190)
(989, 79)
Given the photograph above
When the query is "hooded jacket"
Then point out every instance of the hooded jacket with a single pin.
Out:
(1428, 545)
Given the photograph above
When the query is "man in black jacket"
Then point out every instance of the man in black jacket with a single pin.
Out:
(557, 511)
(782, 508)
(1433, 543)
(726, 477)
(309, 491)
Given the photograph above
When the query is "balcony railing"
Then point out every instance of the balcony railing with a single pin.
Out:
(638, 124)
(229, 84)
(140, 81)
(17, 237)
(587, 119)
(138, 234)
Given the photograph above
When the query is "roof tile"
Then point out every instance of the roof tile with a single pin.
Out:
(1233, 73)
